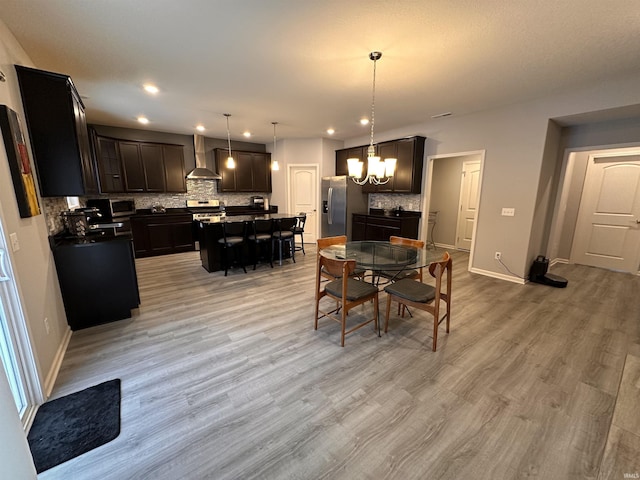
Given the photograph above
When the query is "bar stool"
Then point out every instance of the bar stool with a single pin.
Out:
(233, 242)
(261, 234)
(284, 236)
(298, 229)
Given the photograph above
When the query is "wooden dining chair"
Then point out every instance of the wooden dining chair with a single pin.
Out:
(416, 294)
(347, 293)
(337, 240)
(394, 275)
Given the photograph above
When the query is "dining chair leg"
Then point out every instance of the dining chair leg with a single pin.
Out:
(344, 325)
(386, 317)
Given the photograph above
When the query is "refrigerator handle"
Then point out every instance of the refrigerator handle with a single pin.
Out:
(330, 212)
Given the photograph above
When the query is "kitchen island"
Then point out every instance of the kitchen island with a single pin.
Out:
(97, 276)
(210, 231)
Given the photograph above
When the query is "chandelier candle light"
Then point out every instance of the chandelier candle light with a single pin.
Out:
(378, 172)
(230, 161)
(274, 163)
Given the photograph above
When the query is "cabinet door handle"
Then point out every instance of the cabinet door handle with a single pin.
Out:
(116, 176)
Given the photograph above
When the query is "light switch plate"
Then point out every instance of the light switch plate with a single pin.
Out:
(15, 245)
(508, 212)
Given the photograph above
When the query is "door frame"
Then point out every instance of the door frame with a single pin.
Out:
(311, 166)
(564, 189)
(19, 337)
(426, 196)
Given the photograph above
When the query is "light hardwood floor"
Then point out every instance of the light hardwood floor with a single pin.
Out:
(225, 378)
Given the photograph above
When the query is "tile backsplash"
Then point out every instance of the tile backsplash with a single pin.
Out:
(412, 202)
(204, 190)
(196, 190)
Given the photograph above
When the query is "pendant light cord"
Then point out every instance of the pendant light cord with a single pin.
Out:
(228, 134)
(370, 151)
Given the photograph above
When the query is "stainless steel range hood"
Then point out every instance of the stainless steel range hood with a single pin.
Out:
(201, 172)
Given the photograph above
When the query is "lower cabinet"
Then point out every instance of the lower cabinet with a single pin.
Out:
(379, 227)
(162, 233)
(97, 279)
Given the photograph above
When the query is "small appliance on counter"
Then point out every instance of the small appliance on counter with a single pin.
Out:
(117, 212)
(538, 274)
(84, 221)
(158, 209)
(78, 222)
(257, 202)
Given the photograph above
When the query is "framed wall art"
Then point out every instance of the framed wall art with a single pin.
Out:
(19, 163)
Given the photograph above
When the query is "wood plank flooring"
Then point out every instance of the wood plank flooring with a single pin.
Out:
(225, 378)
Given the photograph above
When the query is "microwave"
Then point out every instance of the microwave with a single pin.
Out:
(112, 208)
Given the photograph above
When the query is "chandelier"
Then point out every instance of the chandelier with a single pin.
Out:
(378, 172)
(231, 163)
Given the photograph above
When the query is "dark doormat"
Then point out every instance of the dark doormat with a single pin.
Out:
(74, 424)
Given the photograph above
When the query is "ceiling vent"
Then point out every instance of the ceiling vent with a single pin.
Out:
(201, 172)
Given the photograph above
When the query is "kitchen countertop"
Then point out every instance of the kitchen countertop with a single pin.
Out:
(380, 212)
(64, 238)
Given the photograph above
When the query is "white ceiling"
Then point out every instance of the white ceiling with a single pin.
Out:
(304, 63)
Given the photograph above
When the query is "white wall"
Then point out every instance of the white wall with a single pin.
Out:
(33, 263)
(515, 138)
(317, 151)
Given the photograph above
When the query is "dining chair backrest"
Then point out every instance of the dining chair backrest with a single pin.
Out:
(410, 242)
(328, 241)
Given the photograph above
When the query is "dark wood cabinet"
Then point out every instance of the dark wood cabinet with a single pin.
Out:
(408, 174)
(109, 166)
(58, 132)
(97, 279)
(342, 167)
(252, 172)
(173, 156)
(130, 166)
(162, 233)
(379, 227)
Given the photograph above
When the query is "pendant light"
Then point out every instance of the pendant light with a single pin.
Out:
(274, 163)
(231, 163)
(378, 172)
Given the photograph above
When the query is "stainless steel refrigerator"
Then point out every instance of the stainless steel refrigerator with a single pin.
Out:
(341, 198)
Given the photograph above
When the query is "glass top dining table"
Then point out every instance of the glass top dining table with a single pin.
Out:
(381, 255)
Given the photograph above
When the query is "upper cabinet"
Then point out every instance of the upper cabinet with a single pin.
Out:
(252, 172)
(130, 166)
(58, 132)
(408, 174)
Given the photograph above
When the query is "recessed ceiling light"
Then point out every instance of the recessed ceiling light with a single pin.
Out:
(143, 120)
(151, 88)
(364, 121)
(200, 128)
(331, 131)
(247, 134)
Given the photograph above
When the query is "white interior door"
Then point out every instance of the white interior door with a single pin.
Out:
(303, 188)
(607, 233)
(468, 204)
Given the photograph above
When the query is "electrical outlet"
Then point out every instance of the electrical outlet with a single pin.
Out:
(498, 255)
(46, 325)
(508, 212)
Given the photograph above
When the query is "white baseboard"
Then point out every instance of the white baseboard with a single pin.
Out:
(501, 276)
(445, 246)
(50, 380)
(558, 260)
